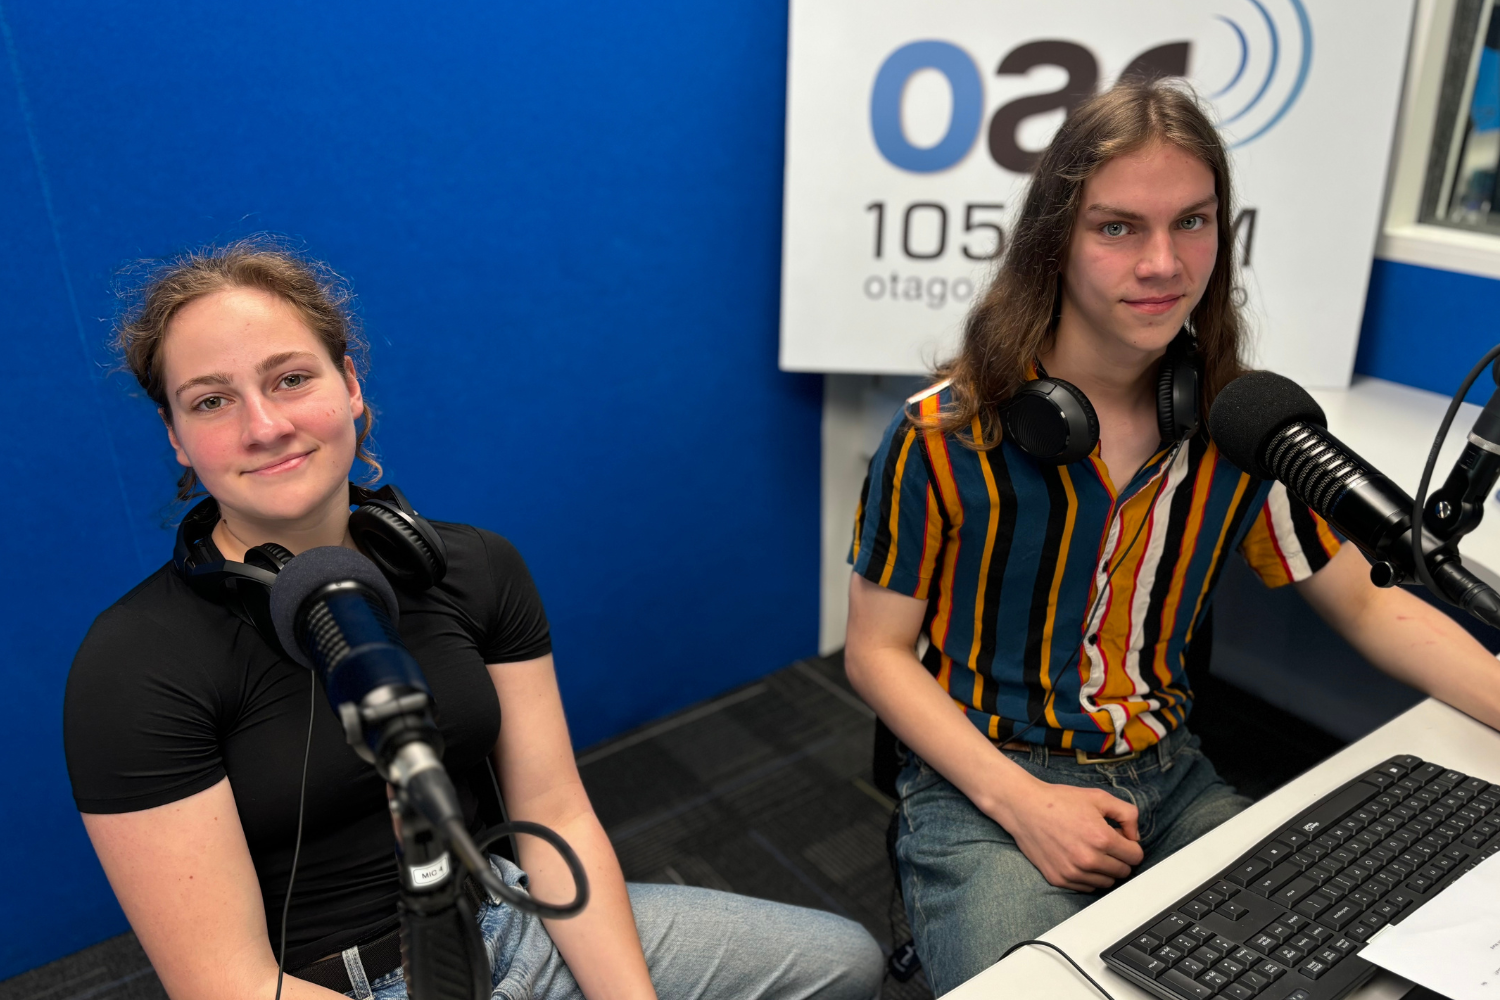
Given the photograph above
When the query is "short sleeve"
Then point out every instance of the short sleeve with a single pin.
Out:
(898, 529)
(1287, 542)
(139, 717)
(517, 628)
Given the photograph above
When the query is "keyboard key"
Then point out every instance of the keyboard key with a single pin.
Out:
(1230, 968)
(1304, 860)
(1419, 883)
(1225, 889)
(1254, 981)
(1317, 933)
(1195, 909)
(1375, 920)
(1303, 942)
(1140, 961)
(1248, 872)
(1190, 966)
(1170, 926)
(1360, 932)
(1289, 955)
(1339, 916)
(1224, 946)
(1291, 921)
(1214, 980)
(1270, 970)
(1146, 942)
(1274, 879)
(1264, 943)
(1168, 954)
(1238, 992)
(1314, 905)
(1313, 968)
(1401, 899)
(1476, 785)
(1184, 986)
(1343, 945)
(1184, 943)
(1246, 957)
(1397, 767)
(1233, 910)
(1292, 893)
(1209, 898)
(1378, 778)
(1330, 955)
(1199, 932)
(1295, 839)
(1274, 853)
(1425, 772)
(1207, 955)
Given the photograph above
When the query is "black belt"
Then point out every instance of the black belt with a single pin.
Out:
(379, 956)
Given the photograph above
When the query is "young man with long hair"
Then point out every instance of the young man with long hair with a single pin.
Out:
(1021, 626)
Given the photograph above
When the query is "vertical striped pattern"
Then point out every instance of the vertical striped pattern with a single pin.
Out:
(1057, 598)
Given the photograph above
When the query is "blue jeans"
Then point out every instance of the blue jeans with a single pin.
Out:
(699, 943)
(969, 891)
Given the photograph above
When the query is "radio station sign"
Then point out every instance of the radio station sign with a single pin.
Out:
(912, 126)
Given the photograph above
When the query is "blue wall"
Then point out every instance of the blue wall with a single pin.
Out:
(1427, 328)
(563, 221)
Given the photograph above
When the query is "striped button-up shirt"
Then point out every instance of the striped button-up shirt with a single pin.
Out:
(1059, 606)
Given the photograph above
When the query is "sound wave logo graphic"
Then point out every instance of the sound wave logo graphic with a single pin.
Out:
(1269, 45)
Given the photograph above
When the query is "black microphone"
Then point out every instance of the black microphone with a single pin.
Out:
(1457, 507)
(335, 613)
(1271, 428)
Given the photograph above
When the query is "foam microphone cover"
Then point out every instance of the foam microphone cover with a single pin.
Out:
(1251, 409)
(311, 571)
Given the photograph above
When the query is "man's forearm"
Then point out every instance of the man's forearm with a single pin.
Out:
(1416, 643)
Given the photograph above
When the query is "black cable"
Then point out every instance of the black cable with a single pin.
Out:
(477, 862)
(1418, 560)
(286, 905)
(1048, 944)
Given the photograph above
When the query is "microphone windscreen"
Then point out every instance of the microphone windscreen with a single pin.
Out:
(312, 570)
(1250, 410)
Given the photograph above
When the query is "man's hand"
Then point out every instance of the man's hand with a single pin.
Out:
(1066, 832)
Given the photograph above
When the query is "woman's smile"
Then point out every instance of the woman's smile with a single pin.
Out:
(283, 464)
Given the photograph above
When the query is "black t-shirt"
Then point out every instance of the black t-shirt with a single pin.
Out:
(171, 692)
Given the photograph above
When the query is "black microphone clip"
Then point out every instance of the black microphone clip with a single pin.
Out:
(1457, 507)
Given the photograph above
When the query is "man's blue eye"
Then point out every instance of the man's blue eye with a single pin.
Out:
(1194, 222)
(1114, 229)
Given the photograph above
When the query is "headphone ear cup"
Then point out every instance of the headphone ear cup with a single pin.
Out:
(397, 545)
(1052, 421)
(1177, 396)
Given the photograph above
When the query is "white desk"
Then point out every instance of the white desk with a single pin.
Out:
(1431, 730)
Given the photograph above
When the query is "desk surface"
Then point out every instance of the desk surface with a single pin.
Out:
(1431, 730)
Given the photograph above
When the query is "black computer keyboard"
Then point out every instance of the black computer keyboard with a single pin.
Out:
(1287, 920)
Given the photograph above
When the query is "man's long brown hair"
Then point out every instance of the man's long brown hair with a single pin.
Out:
(1013, 323)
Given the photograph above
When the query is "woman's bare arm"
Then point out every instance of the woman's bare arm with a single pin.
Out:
(540, 782)
(1062, 830)
(183, 875)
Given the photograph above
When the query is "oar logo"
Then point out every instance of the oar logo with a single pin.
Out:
(1250, 58)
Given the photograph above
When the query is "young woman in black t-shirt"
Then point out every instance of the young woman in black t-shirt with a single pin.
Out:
(185, 730)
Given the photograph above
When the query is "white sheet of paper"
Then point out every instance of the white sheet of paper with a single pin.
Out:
(1452, 944)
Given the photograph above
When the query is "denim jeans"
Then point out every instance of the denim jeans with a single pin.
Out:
(699, 943)
(969, 891)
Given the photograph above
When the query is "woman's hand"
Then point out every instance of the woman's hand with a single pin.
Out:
(1064, 831)
(183, 875)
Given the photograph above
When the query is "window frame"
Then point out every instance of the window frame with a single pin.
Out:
(1441, 65)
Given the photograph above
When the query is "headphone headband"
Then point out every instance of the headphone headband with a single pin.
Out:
(385, 527)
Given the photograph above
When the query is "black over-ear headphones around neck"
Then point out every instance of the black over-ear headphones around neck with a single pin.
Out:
(1051, 419)
(403, 544)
